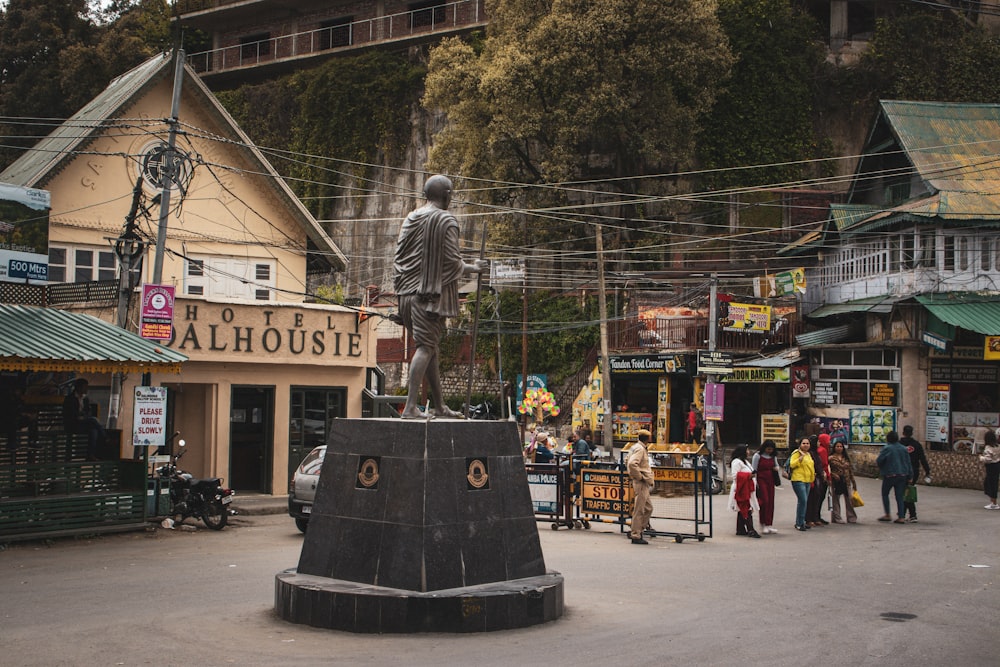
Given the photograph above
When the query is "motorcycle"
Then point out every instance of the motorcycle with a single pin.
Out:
(715, 483)
(204, 499)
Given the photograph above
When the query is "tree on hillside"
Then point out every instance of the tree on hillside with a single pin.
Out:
(570, 90)
(921, 54)
(766, 114)
(56, 55)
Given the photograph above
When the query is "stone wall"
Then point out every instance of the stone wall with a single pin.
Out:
(951, 469)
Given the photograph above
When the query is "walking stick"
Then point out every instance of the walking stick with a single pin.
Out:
(475, 326)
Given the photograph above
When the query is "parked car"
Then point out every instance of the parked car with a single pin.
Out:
(302, 489)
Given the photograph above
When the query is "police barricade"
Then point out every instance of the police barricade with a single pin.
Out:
(682, 506)
(550, 486)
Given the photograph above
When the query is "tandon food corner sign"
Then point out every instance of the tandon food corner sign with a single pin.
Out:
(268, 333)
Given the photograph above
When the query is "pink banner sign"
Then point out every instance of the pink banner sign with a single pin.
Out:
(157, 312)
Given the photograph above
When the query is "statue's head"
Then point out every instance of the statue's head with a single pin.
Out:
(437, 189)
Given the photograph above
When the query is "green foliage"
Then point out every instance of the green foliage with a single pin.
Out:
(330, 294)
(920, 54)
(54, 57)
(562, 331)
(575, 90)
(767, 111)
(356, 110)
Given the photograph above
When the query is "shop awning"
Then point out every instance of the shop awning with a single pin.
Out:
(48, 339)
(973, 311)
(827, 336)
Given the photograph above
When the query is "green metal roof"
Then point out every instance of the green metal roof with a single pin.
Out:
(973, 311)
(33, 338)
(952, 146)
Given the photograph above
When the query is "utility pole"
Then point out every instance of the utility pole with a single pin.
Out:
(607, 432)
(168, 171)
(524, 335)
(128, 248)
(713, 322)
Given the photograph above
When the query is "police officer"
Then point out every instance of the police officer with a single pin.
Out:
(642, 484)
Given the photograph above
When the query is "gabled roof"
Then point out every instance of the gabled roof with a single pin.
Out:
(48, 339)
(49, 155)
(953, 148)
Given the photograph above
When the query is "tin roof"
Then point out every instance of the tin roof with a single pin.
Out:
(974, 311)
(48, 339)
(953, 147)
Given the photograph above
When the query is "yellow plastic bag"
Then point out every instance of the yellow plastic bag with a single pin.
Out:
(856, 499)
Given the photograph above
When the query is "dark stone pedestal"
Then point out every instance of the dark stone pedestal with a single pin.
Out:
(421, 526)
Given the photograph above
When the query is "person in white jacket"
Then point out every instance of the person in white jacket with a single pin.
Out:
(742, 496)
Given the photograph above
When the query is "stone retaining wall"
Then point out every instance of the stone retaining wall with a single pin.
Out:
(951, 469)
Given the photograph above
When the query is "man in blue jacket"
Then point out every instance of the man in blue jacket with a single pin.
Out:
(894, 466)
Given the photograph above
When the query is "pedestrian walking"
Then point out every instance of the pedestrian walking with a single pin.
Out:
(917, 458)
(642, 484)
(991, 459)
(803, 474)
(742, 496)
(765, 467)
(842, 483)
(894, 466)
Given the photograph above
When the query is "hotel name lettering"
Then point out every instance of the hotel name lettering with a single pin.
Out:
(296, 334)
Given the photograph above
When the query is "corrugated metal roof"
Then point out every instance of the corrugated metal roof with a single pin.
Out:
(782, 359)
(952, 146)
(974, 311)
(824, 336)
(874, 304)
(33, 338)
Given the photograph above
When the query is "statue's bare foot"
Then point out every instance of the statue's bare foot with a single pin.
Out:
(412, 413)
(447, 413)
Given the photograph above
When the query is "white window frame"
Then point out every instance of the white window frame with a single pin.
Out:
(95, 270)
(230, 277)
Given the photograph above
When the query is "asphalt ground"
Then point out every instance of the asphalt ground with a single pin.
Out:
(864, 594)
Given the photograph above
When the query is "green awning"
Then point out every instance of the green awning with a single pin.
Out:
(48, 339)
(973, 311)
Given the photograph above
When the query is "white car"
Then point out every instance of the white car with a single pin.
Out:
(302, 489)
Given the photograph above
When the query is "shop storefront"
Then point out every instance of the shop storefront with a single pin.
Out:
(262, 385)
(647, 391)
(963, 399)
(757, 405)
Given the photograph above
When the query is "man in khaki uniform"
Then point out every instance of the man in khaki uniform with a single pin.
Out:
(642, 483)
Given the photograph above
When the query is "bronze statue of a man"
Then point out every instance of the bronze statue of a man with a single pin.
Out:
(428, 267)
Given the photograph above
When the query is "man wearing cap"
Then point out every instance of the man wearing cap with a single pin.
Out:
(642, 483)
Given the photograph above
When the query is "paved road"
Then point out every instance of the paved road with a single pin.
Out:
(868, 594)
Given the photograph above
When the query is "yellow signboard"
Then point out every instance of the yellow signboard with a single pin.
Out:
(689, 475)
(605, 492)
(992, 351)
(745, 317)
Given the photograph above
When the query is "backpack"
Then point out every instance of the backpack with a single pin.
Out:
(786, 469)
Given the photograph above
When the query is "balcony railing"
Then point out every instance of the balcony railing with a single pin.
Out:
(443, 18)
(691, 333)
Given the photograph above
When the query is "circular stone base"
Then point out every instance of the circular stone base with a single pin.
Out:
(355, 607)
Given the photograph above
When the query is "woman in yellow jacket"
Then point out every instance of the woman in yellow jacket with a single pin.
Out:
(803, 474)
